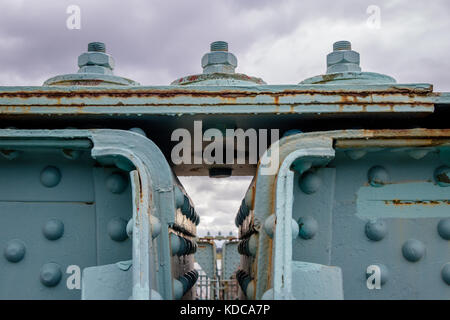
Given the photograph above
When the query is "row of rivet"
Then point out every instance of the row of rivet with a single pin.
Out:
(245, 282)
(376, 230)
(183, 203)
(416, 154)
(54, 229)
(377, 176)
(184, 283)
(154, 222)
(412, 250)
(15, 249)
(248, 245)
(51, 176)
(50, 273)
(385, 274)
(181, 246)
(67, 153)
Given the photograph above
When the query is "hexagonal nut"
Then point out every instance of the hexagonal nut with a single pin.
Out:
(96, 69)
(343, 67)
(96, 59)
(219, 57)
(343, 56)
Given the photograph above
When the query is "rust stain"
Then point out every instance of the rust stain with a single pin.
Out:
(346, 96)
(443, 177)
(276, 100)
(397, 202)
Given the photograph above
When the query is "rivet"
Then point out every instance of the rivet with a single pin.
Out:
(308, 227)
(124, 164)
(179, 197)
(294, 229)
(71, 154)
(378, 176)
(300, 166)
(10, 154)
(445, 273)
(50, 176)
(355, 154)
(186, 207)
(138, 131)
(250, 290)
(175, 244)
(249, 198)
(129, 228)
(183, 246)
(413, 250)
(418, 153)
(269, 225)
(442, 176)
(291, 132)
(197, 220)
(155, 295)
(376, 229)
(50, 274)
(156, 226)
(310, 182)
(444, 228)
(116, 183)
(253, 244)
(268, 295)
(177, 289)
(14, 250)
(53, 229)
(117, 229)
(384, 273)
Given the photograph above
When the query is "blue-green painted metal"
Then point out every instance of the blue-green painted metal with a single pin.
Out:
(346, 223)
(65, 189)
(230, 258)
(206, 258)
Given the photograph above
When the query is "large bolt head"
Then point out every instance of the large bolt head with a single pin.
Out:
(219, 57)
(96, 59)
(344, 56)
(343, 61)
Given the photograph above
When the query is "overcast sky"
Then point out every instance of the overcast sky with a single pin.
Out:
(283, 42)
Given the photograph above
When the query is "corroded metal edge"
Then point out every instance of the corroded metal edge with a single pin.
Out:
(273, 193)
(153, 196)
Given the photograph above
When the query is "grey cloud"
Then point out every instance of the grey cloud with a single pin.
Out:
(155, 42)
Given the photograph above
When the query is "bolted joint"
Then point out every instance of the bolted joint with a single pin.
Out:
(96, 47)
(96, 60)
(219, 46)
(343, 58)
(219, 60)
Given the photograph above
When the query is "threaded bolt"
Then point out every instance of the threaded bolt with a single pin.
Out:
(96, 47)
(342, 45)
(219, 46)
